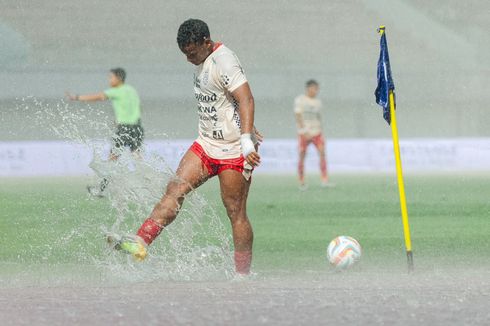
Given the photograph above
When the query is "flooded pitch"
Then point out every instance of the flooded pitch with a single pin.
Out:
(454, 297)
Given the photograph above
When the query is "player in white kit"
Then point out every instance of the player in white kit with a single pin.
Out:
(226, 145)
(307, 109)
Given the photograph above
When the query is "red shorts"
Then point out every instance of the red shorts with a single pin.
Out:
(304, 141)
(216, 166)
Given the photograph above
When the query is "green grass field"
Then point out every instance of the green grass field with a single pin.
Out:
(53, 221)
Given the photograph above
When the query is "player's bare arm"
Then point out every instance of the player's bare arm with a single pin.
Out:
(300, 123)
(243, 95)
(87, 98)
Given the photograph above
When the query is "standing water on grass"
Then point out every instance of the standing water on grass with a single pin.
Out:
(196, 246)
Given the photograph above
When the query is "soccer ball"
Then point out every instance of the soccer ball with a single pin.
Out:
(343, 252)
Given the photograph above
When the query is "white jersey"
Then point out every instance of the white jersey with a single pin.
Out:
(310, 111)
(219, 121)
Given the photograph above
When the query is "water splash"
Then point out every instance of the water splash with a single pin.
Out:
(196, 246)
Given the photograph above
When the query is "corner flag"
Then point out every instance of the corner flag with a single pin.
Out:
(385, 97)
(385, 82)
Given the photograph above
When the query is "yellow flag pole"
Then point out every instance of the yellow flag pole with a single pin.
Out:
(401, 185)
(399, 173)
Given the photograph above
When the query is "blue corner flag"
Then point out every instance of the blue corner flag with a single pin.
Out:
(385, 82)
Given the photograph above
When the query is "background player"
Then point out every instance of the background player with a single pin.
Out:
(225, 145)
(307, 109)
(126, 103)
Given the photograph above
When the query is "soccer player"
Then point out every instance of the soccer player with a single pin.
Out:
(126, 103)
(307, 109)
(225, 147)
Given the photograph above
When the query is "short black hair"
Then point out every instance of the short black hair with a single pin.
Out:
(192, 31)
(311, 82)
(119, 73)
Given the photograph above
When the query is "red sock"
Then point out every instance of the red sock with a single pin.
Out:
(243, 260)
(149, 230)
(301, 172)
(323, 169)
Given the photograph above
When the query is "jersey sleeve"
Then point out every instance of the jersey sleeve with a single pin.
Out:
(231, 75)
(111, 93)
(298, 107)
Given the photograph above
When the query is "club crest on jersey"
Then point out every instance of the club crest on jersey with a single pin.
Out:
(205, 78)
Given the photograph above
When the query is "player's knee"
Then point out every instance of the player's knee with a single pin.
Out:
(172, 186)
(167, 209)
(176, 189)
(234, 209)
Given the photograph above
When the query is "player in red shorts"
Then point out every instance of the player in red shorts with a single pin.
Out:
(307, 108)
(226, 145)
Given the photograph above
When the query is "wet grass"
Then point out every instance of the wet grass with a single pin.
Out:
(44, 221)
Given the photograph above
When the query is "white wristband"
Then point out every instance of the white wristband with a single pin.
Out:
(247, 144)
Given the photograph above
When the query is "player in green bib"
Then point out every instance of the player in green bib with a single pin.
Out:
(126, 103)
